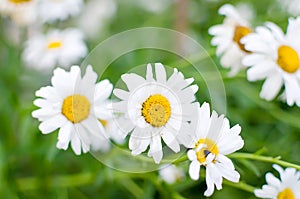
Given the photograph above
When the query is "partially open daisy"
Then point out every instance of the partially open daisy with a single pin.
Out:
(275, 58)
(213, 139)
(171, 173)
(52, 10)
(57, 48)
(227, 38)
(155, 109)
(23, 12)
(287, 187)
(73, 104)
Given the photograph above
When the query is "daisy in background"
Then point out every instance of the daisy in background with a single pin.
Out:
(74, 105)
(94, 16)
(156, 108)
(292, 6)
(57, 48)
(287, 187)
(227, 38)
(213, 139)
(275, 58)
(170, 173)
(53, 10)
(22, 12)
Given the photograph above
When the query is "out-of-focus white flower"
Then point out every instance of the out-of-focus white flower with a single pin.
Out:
(156, 108)
(22, 12)
(287, 187)
(227, 38)
(171, 173)
(275, 58)
(95, 14)
(52, 10)
(292, 6)
(213, 139)
(57, 48)
(73, 105)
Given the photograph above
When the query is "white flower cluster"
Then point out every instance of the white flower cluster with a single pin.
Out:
(266, 52)
(153, 109)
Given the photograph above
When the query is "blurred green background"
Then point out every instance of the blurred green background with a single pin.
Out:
(32, 167)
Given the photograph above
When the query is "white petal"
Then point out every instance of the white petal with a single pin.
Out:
(103, 90)
(121, 94)
(194, 170)
(155, 150)
(209, 183)
(191, 154)
(170, 140)
(132, 80)
(76, 144)
(160, 73)
(64, 136)
(271, 87)
(52, 124)
(149, 74)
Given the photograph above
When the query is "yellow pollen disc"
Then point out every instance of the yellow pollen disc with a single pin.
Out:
(286, 194)
(19, 1)
(54, 44)
(239, 33)
(209, 146)
(156, 110)
(76, 108)
(103, 122)
(288, 59)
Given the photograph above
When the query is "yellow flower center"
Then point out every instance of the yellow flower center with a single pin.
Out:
(19, 1)
(239, 33)
(156, 110)
(103, 122)
(76, 108)
(54, 44)
(286, 194)
(288, 59)
(204, 147)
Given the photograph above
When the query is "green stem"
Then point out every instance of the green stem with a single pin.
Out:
(275, 160)
(240, 185)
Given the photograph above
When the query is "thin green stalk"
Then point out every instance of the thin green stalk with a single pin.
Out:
(132, 187)
(240, 185)
(275, 160)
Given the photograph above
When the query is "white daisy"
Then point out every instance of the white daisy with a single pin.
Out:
(95, 15)
(287, 187)
(155, 109)
(292, 6)
(213, 140)
(52, 10)
(227, 38)
(22, 12)
(275, 58)
(57, 48)
(73, 105)
(170, 173)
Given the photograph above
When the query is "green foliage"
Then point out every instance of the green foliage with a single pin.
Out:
(32, 167)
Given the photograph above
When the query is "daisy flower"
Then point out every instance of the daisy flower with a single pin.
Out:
(287, 187)
(22, 12)
(154, 109)
(170, 173)
(292, 6)
(73, 104)
(275, 58)
(227, 38)
(95, 15)
(62, 48)
(213, 140)
(52, 10)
